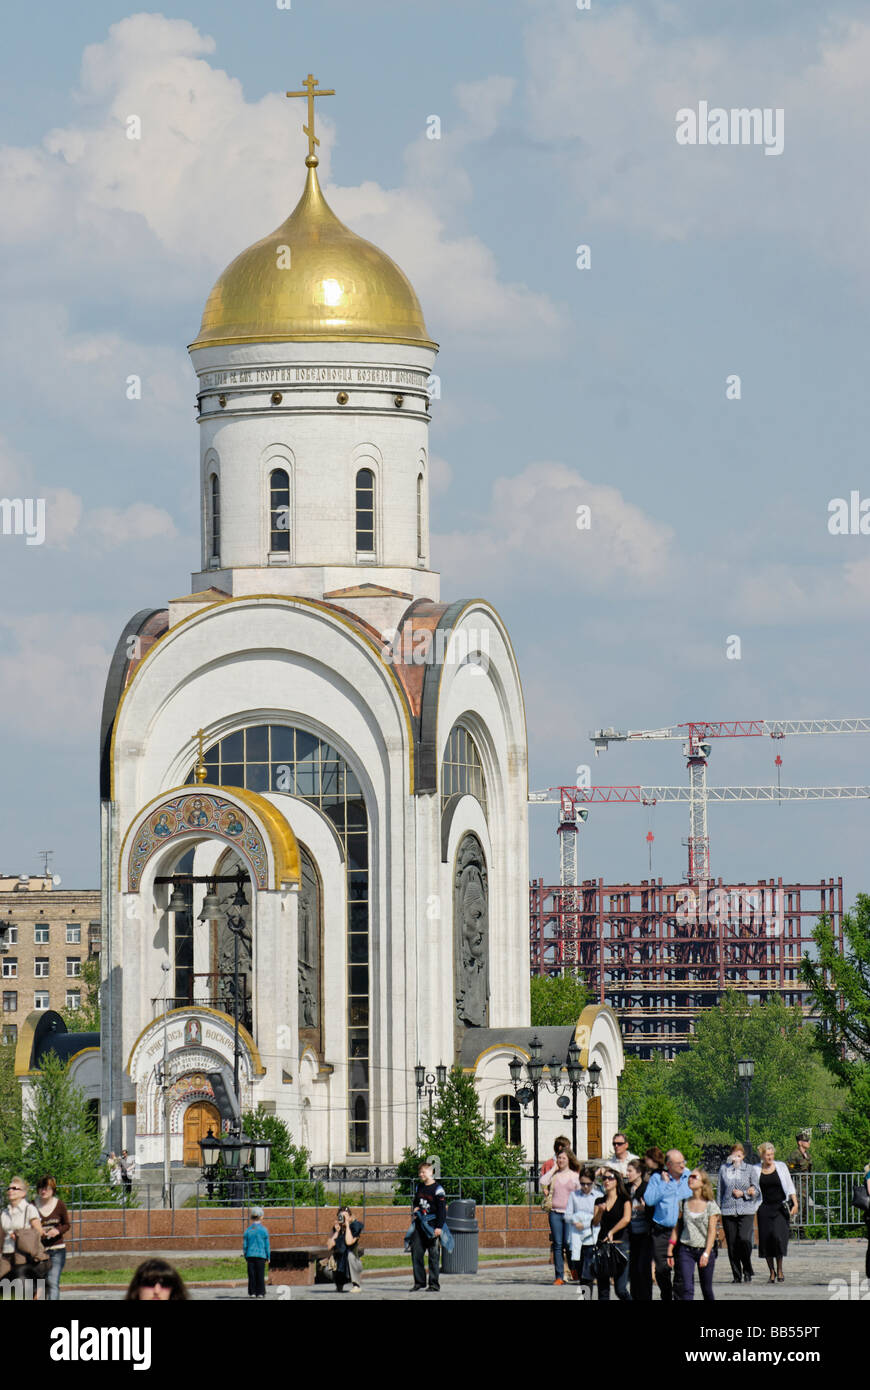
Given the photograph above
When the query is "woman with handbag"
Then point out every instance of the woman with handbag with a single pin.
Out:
(693, 1239)
(344, 1247)
(778, 1202)
(613, 1219)
(559, 1183)
(23, 1255)
(55, 1224)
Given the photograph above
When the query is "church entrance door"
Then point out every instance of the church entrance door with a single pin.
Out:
(199, 1118)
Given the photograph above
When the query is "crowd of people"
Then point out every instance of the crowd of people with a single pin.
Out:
(632, 1221)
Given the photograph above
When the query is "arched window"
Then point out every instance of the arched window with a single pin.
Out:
(214, 519)
(506, 1112)
(365, 511)
(461, 768)
(279, 510)
(281, 758)
(420, 550)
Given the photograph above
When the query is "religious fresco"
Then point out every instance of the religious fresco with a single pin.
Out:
(471, 935)
(204, 811)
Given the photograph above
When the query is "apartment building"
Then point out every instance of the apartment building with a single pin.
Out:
(46, 935)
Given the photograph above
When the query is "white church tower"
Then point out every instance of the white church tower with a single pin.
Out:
(311, 759)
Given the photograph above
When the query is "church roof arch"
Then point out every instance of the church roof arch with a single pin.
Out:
(431, 738)
(363, 638)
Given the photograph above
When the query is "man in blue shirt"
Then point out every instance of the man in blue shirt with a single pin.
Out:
(664, 1195)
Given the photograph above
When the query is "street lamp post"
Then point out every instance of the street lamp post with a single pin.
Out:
(430, 1083)
(236, 924)
(746, 1071)
(529, 1091)
(164, 1085)
(575, 1083)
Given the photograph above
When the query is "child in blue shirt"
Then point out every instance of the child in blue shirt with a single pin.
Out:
(256, 1252)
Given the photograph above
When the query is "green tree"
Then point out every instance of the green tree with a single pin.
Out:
(839, 984)
(289, 1163)
(657, 1121)
(557, 1000)
(457, 1132)
(706, 1087)
(640, 1080)
(848, 1144)
(58, 1136)
(86, 1018)
(10, 1111)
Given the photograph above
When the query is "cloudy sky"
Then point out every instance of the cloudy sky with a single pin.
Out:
(561, 387)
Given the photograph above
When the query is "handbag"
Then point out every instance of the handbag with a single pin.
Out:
(30, 1251)
(547, 1199)
(608, 1260)
(328, 1267)
(861, 1197)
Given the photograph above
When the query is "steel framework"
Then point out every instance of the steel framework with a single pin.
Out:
(660, 953)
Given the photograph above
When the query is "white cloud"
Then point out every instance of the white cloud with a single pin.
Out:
(529, 536)
(114, 527)
(52, 672)
(612, 85)
(94, 208)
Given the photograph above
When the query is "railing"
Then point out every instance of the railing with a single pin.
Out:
(305, 1207)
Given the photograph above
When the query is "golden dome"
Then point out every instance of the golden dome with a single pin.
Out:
(336, 286)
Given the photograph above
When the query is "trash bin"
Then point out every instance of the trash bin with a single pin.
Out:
(462, 1259)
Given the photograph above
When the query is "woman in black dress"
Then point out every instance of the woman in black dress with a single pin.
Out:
(613, 1217)
(778, 1204)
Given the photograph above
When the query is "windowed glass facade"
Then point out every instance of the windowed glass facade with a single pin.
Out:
(279, 758)
(461, 768)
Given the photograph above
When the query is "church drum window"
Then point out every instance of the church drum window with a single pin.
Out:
(365, 511)
(420, 552)
(214, 519)
(282, 758)
(279, 511)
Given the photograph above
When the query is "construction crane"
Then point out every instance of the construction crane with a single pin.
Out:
(696, 737)
(573, 801)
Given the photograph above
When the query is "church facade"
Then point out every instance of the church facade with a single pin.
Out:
(313, 766)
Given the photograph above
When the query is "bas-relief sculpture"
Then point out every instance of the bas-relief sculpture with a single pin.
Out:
(471, 935)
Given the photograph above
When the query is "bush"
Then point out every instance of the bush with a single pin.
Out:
(456, 1131)
(289, 1163)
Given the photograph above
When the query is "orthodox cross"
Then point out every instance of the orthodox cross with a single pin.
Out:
(309, 84)
(200, 772)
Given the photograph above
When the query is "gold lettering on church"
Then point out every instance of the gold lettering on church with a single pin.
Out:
(391, 377)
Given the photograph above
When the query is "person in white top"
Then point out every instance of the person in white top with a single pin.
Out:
(621, 1156)
(17, 1214)
(772, 1181)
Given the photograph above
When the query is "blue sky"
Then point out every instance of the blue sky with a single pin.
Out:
(559, 387)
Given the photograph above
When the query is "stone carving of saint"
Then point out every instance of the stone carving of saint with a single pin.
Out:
(471, 918)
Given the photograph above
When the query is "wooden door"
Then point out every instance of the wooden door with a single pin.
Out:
(199, 1118)
(593, 1128)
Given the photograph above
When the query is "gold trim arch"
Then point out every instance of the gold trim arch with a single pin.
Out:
(242, 819)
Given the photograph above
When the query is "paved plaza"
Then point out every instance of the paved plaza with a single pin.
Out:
(815, 1271)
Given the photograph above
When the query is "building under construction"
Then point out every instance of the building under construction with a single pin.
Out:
(659, 953)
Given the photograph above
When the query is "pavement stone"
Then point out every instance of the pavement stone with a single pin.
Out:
(814, 1271)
